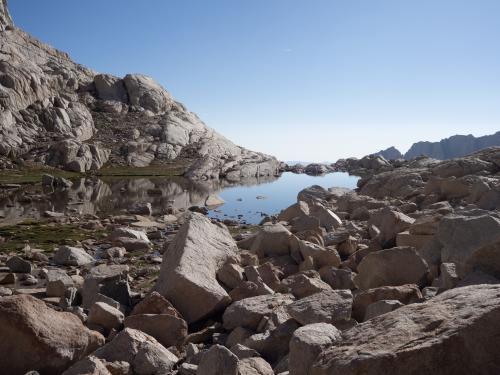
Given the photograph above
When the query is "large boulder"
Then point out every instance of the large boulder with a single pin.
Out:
(390, 223)
(72, 256)
(271, 240)
(110, 281)
(248, 312)
(88, 366)
(110, 88)
(169, 330)
(105, 316)
(144, 92)
(472, 243)
(36, 337)
(307, 343)
(391, 267)
(330, 306)
(254, 366)
(327, 219)
(188, 275)
(405, 294)
(143, 353)
(57, 282)
(218, 360)
(457, 332)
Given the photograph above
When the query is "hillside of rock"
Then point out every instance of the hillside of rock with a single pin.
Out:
(59, 113)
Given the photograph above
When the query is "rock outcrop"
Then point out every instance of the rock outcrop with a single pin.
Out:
(391, 153)
(56, 112)
(36, 337)
(453, 333)
(188, 276)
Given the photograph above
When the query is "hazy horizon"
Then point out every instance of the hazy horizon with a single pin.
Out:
(303, 81)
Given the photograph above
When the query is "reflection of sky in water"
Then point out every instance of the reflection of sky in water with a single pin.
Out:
(279, 194)
(116, 195)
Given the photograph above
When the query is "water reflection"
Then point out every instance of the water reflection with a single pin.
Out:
(114, 196)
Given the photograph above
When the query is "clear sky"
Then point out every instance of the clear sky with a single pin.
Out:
(304, 80)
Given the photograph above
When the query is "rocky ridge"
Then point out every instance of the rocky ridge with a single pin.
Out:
(58, 113)
(448, 148)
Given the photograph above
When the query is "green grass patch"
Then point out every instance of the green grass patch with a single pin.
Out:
(43, 236)
(173, 169)
(33, 175)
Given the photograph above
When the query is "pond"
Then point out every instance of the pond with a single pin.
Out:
(247, 201)
(252, 202)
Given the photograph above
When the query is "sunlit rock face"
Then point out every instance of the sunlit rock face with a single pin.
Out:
(57, 112)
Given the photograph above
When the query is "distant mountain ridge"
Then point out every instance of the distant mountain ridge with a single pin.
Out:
(448, 148)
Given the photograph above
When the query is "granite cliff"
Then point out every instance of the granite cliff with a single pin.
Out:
(56, 112)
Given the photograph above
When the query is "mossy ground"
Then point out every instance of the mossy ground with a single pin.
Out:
(34, 175)
(45, 236)
(170, 169)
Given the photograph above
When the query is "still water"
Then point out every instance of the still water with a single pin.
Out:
(271, 197)
(245, 201)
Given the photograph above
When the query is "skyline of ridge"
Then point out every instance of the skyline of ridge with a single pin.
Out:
(349, 81)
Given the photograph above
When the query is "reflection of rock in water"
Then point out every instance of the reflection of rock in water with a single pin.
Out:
(114, 196)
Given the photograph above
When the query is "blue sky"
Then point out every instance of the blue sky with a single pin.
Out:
(303, 80)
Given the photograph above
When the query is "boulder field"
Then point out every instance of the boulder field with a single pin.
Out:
(372, 281)
(400, 276)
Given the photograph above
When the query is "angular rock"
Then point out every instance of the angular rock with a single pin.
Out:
(330, 306)
(307, 343)
(169, 330)
(381, 307)
(18, 265)
(145, 355)
(327, 219)
(218, 360)
(105, 316)
(88, 366)
(273, 343)
(456, 333)
(154, 303)
(248, 312)
(75, 156)
(110, 281)
(57, 282)
(392, 267)
(472, 243)
(254, 366)
(405, 294)
(35, 336)
(271, 240)
(299, 209)
(390, 223)
(300, 285)
(188, 276)
(72, 256)
(338, 278)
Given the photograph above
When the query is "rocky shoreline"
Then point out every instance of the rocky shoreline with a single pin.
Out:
(400, 276)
